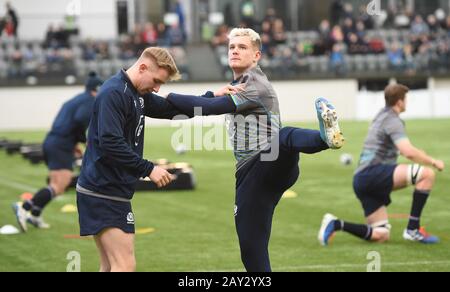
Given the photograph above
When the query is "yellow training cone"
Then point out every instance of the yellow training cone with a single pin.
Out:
(69, 208)
(141, 231)
(289, 194)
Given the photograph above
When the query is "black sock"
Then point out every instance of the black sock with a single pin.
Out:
(419, 200)
(359, 230)
(39, 201)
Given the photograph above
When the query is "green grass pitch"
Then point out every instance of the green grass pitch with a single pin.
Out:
(194, 231)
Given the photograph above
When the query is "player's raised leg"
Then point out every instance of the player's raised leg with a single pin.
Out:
(423, 178)
(329, 125)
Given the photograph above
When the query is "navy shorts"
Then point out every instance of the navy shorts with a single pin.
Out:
(96, 214)
(373, 187)
(56, 157)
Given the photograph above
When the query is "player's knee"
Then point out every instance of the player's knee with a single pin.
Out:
(429, 174)
(381, 236)
(381, 232)
(58, 189)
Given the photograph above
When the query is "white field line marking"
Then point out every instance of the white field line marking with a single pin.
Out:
(342, 266)
(18, 186)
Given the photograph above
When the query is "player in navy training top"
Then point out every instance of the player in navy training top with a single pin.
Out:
(113, 162)
(60, 147)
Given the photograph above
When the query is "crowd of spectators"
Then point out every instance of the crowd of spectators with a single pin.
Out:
(62, 51)
(350, 41)
(400, 41)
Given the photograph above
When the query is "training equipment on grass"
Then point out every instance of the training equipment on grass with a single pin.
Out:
(33, 152)
(69, 208)
(289, 194)
(9, 230)
(184, 178)
(3, 142)
(142, 231)
(12, 147)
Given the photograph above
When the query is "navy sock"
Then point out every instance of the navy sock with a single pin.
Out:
(419, 200)
(39, 201)
(302, 140)
(359, 230)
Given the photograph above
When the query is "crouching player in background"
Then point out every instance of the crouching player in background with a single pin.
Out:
(379, 174)
(60, 148)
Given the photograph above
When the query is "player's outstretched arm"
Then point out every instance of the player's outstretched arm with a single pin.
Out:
(416, 155)
(158, 107)
(209, 106)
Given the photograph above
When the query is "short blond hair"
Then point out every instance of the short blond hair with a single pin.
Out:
(255, 38)
(163, 59)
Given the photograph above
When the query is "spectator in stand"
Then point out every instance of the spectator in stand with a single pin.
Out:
(89, 51)
(336, 11)
(175, 36)
(162, 34)
(278, 32)
(337, 61)
(419, 27)
(444, 54)
(410, 65)
(14, 18)
(395, 55)
(9, 27)
(361, 30)
(434, 26)
(221, 36)
(376, 46)
(2, 25)
(50, 39)
(337, 35)
(348, 29)
(348, 11)
(16, 61)
(126, 48)
(324, 44)
(102, 50)
(357, 46)
(150, 35)
(61, 37)
(447, 25)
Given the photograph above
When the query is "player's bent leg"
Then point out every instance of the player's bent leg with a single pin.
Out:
(301, 140)
(327, 229)
(426, 179)
(60, 180)
(381, 229)
(423, 179)
(118, 247)
(400, 177)
(105, 266)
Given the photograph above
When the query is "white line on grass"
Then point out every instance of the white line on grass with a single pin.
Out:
(16, 185)
(343, 266)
